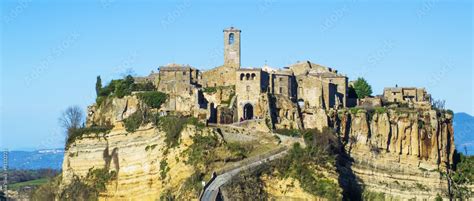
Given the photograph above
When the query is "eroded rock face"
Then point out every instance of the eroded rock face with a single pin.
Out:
(399, 153)
(425, 134)
(112, 110)
(396, 152)
(136, 158)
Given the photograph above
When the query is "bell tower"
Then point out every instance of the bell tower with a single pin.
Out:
(232, 47)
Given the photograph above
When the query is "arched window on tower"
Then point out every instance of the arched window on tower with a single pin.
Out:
(231, 38)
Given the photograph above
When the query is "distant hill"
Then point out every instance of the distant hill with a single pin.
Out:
(51, 158)
(464, 132)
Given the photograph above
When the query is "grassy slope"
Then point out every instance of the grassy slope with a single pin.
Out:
(35, 182)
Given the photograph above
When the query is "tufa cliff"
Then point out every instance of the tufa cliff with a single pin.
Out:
(387, 153)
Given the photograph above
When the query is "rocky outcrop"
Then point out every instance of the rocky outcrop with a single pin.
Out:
(137, 158)
(399, 153)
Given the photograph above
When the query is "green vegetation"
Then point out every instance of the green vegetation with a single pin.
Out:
(247, 186)
(172, 126)
(31, 183)
(46, 191)
(133, 122)
(362, 88)
(120, 88)
(421, 187)
(23, 176)
(167, 196)
(99, 178)
(438, 198)
(237, 150)
(356, 110)
(153, 99)
(209, 90)
(76, 190)
(373, 196)
(321, 150)
(150, 147)
(371, 111)
(201, 151)
(289, 132)
(164, 169)
(98, 85)
(87, 188)
(78, 133)
(463, 177)
(193, 183)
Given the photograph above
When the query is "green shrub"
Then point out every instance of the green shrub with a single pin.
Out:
(75, 134)
(164, 169)
(148, 86)
(79, 189)
(100, 177)
(289, 132)
(133, 122)
(200, 152)
(209, 90)
(237, 150)
(373, 196)
(153, 99)
(150, 147)
(193, 183)
(172, 126)
(355, 110)
(321, 149)
(194, 121)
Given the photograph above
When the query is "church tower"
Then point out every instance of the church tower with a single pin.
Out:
(232, 47)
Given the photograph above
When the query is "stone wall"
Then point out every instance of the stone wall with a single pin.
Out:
(219, 76)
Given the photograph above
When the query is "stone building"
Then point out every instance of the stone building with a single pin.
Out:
(288, 96)
(175, 78)
(250, 85)
(283, 82)
(405, 95)
(225, 75)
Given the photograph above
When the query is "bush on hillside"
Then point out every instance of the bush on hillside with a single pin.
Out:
(153, 99)
(79, 132)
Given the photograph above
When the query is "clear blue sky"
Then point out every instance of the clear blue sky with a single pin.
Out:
(51, 52)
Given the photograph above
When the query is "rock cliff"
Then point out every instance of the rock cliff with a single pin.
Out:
(391, 153)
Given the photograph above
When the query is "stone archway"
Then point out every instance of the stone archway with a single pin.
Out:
(248, 111)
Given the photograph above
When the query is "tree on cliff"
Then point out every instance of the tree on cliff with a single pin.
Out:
(362, 88)
(98, 85)
(71, 119)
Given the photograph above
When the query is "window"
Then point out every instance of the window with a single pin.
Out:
(253, 76)
(281, 79)
(184, 72)
(231, 38)
(248, 88)
(281, 90)
(242, 76)
(247, 76)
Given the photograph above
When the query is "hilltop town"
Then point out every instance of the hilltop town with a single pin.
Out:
(289, 97)
(296, 132)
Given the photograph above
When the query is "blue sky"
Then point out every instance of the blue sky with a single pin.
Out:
(52, 51)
